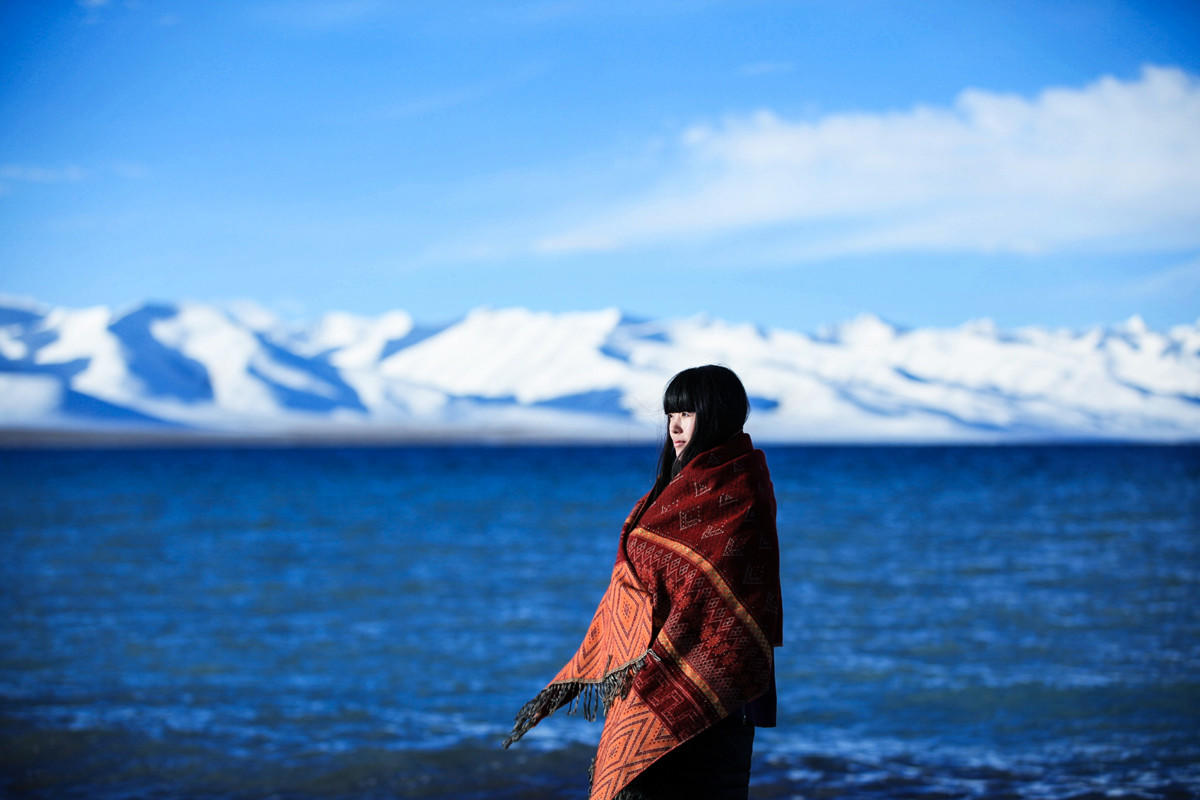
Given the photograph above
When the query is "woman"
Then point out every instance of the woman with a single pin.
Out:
(680, 652)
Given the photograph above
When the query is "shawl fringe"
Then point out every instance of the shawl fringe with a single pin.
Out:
(591, 696)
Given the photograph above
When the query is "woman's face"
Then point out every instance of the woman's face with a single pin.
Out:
(680, 425)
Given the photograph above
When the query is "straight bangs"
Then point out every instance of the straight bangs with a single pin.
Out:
(681, 394)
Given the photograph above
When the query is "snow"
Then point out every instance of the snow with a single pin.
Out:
(356, 342)
(29, 397)
(18, 302)
(252, 315)
(865, 331)
(84, 334)
(227, 349)
(11, 347)
(500, 374)
(527, 355)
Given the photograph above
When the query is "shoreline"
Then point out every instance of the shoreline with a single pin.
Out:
(20, 438)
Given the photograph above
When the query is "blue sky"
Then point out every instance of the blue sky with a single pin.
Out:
(790, 164)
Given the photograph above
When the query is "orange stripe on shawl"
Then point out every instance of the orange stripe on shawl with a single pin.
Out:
(718, 583)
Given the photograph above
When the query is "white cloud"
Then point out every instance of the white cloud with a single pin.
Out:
(1114, 164)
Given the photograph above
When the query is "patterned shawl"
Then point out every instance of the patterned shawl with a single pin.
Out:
(684, 635)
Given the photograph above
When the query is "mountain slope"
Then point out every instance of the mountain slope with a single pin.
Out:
(519, 374)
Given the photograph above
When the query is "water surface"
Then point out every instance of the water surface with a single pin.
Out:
(1017, 622)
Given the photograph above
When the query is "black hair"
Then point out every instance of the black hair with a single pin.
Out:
(718, 399)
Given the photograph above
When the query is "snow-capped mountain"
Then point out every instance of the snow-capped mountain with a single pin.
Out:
(598, 375)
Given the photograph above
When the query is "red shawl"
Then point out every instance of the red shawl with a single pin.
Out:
(684, 635)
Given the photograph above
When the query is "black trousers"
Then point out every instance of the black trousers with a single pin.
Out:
(714, 764)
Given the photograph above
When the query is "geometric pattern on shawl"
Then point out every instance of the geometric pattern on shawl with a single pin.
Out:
(619, 634)
(700, 574)
(709, 548)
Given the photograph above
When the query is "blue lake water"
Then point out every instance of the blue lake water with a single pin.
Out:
(1000, 622)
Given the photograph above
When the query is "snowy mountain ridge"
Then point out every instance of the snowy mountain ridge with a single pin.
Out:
(515, 374)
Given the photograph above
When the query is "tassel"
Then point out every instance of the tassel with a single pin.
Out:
(544, 704)
(616, 685)
(592, 696)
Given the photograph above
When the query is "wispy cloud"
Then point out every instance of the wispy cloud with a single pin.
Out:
(320, 14)
(24, 173)
(460, 95)
(1115, 163)
(1178, 280)
(31, 174)
(96, 11)
(757, 68)
(544, 11)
